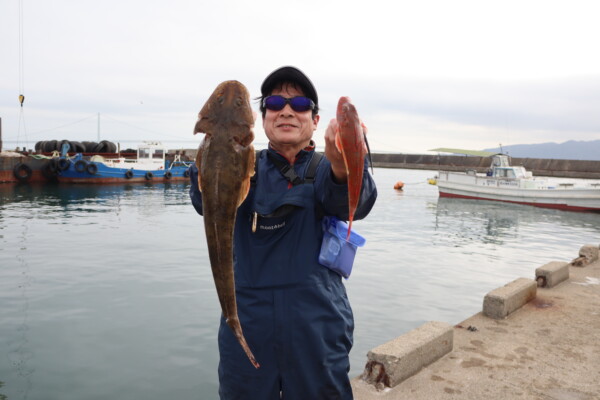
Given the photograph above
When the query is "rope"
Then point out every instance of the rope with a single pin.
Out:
(21, 63)
(21, 80)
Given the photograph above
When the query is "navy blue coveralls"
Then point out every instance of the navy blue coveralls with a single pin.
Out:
(294, 312)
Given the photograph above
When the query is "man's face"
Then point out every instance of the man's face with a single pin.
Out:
(287, 127)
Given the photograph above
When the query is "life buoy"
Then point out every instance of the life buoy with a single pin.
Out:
(168, 175)
(91, 169)
(129, 174)
(149, 175)
(80, 166)
(399, 185)
(22, 172)
(63, 164)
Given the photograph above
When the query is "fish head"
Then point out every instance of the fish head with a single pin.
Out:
(229, 104)
(346, 112)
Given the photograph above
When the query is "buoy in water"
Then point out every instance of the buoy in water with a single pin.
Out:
(399, 185)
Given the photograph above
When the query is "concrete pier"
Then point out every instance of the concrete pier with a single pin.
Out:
(549, 348)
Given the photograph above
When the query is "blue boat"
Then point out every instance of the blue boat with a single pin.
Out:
(149, 165)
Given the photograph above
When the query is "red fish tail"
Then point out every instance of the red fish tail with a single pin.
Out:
(349, 228)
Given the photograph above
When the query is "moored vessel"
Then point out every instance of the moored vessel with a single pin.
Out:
(514, 184)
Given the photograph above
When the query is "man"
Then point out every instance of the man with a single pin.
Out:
(294, 311)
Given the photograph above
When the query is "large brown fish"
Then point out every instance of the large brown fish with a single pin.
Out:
(225, 164)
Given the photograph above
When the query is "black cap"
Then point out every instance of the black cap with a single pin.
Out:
(289, 74)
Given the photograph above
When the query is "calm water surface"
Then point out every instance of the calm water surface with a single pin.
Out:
(106, 291)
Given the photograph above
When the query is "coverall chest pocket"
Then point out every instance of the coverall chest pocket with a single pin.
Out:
(282, 242)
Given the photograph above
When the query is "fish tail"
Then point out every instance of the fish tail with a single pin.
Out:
(236, 328)
(349, 228)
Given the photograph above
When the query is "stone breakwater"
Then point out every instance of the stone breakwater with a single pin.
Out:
(535, 338)
(538, 166)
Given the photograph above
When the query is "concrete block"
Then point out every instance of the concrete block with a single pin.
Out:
(394, 361)
(551, 274)
(587, 255)
(590, 252)
(499, 303)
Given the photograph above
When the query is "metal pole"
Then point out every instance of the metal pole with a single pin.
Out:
(0, 135)
(98, 127)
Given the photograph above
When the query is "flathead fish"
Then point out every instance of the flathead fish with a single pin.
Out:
(351, 142)
(225, 163)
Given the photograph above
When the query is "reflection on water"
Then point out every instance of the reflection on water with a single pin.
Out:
(463, 221)
(2, 396)
(20, 352)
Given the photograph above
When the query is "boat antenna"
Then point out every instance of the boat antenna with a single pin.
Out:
(501, 151)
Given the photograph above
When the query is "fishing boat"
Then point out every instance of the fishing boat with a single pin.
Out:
(514, 184)
(149, 165)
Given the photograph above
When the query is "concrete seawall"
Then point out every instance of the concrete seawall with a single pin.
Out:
(536, 338)
(538, 166)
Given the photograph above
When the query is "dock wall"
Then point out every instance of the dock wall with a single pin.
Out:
(538, 166)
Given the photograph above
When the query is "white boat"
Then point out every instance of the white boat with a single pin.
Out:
(513, 184)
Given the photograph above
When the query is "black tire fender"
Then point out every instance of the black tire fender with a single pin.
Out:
(63, 164)
(22, 172)
(80, 166)
(91, 168)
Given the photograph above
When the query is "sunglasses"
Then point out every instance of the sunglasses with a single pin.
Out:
(298, 103)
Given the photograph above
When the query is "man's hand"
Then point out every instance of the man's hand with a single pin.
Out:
(334, 155)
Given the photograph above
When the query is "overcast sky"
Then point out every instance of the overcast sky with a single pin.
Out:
(422, 74)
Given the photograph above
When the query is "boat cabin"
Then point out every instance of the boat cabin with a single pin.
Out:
(151, 153)
(501, 168)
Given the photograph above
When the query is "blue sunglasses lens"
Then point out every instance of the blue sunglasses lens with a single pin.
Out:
(298, 103)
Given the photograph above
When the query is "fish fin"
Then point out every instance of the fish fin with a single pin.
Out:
(244, 191)
(340, 147)
(338, 143)
(368, 151)
(250, 159)
(199, 164)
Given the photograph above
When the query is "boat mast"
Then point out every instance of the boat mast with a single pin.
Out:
(98, 127)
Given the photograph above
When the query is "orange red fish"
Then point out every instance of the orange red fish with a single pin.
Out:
(351, 142)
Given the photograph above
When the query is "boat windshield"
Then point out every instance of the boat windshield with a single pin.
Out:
(151, 153)
(158, 153)
(504, 173)
(143, 153)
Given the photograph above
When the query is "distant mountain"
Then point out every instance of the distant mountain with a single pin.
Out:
(571, 150)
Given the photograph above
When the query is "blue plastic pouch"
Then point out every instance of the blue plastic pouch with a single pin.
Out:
(337, 253)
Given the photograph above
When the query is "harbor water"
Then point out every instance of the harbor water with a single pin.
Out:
(106, 291)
